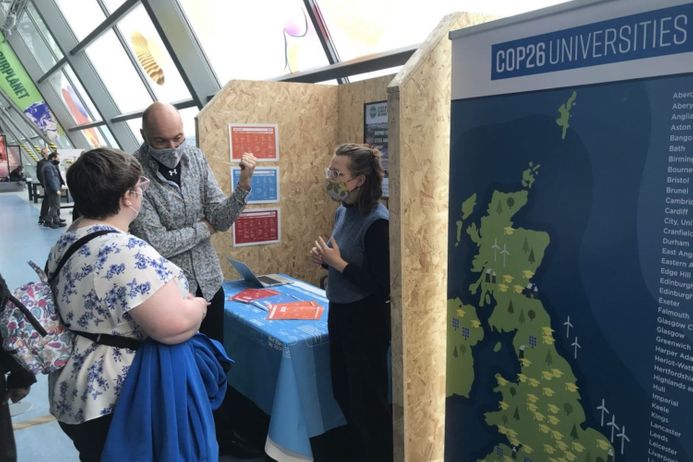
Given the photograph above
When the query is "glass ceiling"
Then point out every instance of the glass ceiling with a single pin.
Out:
(96, 64)
(273, 37)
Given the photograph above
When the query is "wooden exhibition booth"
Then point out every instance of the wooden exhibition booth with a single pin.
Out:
(312, 120)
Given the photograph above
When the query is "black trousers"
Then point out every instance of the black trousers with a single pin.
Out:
(53, 211)
(44, 207)
(237, 417)
(8, 450)
(213, 324)
(359, 342)
(89, 437)
(213, 327)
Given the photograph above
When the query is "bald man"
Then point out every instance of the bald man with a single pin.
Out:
(181, 209)
(184, 206)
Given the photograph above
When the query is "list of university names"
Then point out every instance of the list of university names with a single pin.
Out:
(672, 385)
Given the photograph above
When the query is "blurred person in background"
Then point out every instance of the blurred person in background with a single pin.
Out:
(52, 186)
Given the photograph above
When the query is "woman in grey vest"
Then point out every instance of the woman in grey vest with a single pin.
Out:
(357, 258)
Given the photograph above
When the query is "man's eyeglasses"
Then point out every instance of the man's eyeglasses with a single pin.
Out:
(165, 143)
(332, 174)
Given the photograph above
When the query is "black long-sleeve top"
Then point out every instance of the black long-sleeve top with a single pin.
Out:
(374, 275)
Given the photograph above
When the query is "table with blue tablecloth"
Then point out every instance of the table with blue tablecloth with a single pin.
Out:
(283, 366)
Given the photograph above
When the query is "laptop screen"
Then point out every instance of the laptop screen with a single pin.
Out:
(243, 270)
(250, 277)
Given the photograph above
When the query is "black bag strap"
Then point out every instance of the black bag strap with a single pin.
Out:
(74, 248)
(102, 339)
(117, 341)
(70, 251)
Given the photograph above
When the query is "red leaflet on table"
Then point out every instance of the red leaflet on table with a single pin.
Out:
(248, 295)
(295, 310)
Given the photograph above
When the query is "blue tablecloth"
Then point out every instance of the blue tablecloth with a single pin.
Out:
(284, 367)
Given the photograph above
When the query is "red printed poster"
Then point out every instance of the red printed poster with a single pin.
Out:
(257, 226)
(260, 139)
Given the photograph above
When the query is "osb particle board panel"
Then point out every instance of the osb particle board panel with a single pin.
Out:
(307, 121)
(352, 97)
(419, 98)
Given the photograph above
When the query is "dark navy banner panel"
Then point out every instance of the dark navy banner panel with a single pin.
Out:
(570, 277)
(570, 273)
(645, 35)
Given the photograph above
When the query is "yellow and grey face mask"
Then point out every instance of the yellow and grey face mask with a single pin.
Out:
(337, 190)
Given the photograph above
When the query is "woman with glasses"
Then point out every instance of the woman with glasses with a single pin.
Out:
(115, 285)
(357, 258)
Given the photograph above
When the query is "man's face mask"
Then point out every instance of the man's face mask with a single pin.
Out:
(170, 157)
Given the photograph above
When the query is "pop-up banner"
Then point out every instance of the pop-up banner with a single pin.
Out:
(570, 330)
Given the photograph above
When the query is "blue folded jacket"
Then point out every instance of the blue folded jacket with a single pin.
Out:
(164, 411)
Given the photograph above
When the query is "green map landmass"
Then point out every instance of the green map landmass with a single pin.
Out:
(564, 109)
(539, 414)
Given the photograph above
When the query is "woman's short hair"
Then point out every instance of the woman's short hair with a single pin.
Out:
(99, 178)
(365, 161)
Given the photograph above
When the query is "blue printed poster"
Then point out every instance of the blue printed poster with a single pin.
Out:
(264, 184)
(570, 287)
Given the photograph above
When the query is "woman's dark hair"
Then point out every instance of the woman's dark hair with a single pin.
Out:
(99, 178)
(365, 161)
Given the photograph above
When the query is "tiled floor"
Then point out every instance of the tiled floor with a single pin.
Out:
(37, 434)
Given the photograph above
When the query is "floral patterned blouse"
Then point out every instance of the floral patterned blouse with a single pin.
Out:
(97, 287)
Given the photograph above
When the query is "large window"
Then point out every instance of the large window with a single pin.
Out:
(36, 43)
(135, 126)
(73, 96)
(118, 74)
(188, 115)
(362, 27)
(110, 140)
(80, 107)
(129, 66)
(255, 40)
(74, 81)
(99, 136)
(151, 55)
(82, 16)
(112, 5)
(31, 11)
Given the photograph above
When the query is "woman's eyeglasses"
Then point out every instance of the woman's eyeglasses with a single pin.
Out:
(143, 183)
(332, 174)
